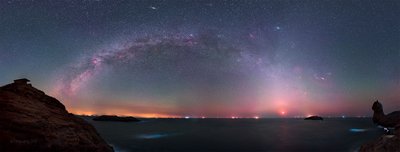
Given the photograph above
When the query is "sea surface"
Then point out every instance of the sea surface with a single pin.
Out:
(233, 135)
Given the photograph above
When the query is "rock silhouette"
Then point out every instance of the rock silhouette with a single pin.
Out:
(385, 142)
(389, 120)
(30, 120)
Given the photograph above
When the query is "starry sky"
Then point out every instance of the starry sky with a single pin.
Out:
(206, 58)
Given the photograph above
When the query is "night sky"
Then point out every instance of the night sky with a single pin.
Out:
(206, 58)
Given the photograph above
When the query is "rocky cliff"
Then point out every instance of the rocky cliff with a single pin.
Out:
(30, 120)
(385, 143)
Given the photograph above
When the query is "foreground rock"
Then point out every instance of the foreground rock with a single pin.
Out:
(115, 118)
(32, 121)
(314, 118)
(390, 120)
(385, 143)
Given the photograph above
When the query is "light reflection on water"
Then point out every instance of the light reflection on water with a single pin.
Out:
(234, 135)
(358, 130)
(155, 136)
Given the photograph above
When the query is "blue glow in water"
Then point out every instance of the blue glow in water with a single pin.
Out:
(152, 136)
(357, 130)
(155, 136)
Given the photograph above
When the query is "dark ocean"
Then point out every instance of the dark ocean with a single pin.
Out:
(234, 135)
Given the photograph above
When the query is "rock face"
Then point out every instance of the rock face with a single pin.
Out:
(32, 121)
(314, 118)
(389, 143)
(390, 120)
(385, 143)
(115, 118)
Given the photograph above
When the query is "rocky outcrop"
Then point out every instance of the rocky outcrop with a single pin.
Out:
(314, 118)
(115, 118)
(30, 120)
(385, 143)
(390, 120)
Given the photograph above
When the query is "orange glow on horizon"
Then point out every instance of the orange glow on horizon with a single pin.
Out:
(139, 115)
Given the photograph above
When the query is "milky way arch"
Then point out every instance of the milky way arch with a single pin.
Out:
(202, 59)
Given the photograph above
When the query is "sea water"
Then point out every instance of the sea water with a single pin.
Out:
(234, 135)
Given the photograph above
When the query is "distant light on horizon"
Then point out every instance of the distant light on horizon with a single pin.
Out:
(154, 115)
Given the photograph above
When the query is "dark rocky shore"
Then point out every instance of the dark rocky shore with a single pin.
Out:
(385, 143)
(115, 118)
(30, 120)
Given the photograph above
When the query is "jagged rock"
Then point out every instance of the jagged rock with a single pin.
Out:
(389, 143)
(115, 118)
(385, 143)
(390, 120)
(314, 118)
(32, 121)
